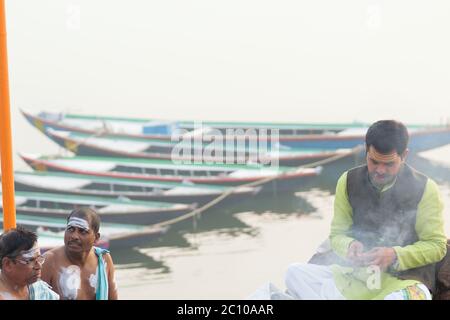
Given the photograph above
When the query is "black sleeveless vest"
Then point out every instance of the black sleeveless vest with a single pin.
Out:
(388, 219)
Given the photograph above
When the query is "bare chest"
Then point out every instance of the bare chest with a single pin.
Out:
(75, 283)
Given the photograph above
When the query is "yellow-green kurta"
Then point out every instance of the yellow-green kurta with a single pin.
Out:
(357, 283)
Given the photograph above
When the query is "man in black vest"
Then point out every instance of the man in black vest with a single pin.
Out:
(387, 232)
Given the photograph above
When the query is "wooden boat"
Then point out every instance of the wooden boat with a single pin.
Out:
(187, 150)
(121, 210)
(160, 170)
(316, 136)
(111, 234)
(163, 129)
(99, 186)
(50, 240)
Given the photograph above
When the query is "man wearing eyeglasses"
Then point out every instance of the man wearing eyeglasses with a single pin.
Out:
(21, 264)
(79, 270)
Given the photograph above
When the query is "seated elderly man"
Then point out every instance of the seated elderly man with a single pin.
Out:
(21, 263)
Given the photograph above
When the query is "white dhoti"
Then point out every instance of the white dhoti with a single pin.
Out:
(316, 282)
(311, 282)
(269, 291)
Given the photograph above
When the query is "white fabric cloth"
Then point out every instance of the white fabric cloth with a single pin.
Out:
(311, 282)
(316, 282)
(269, 291)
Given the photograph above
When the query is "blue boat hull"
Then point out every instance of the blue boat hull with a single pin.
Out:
(418, 142)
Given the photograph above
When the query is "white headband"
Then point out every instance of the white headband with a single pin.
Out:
(79, 223)
(28, 254)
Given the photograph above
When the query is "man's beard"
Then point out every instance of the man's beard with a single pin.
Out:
(380, 182)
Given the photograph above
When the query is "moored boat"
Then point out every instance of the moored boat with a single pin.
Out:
(323, 136)
(49, 240)
(187, 149)
(111, 234)
(91, 185)
(160, 170)
(110, 210)
(163, 129)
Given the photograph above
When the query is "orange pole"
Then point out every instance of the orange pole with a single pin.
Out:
(9, 205)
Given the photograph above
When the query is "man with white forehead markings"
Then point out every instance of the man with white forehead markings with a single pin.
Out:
(79, 270)
(21, 264)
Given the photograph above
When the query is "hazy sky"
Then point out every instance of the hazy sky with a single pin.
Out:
(298, 61)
